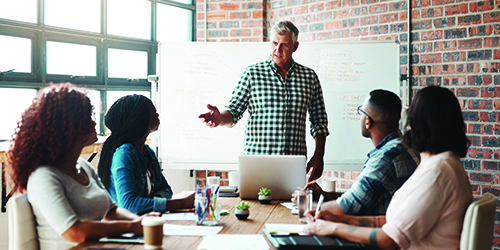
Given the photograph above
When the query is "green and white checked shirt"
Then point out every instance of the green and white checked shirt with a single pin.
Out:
(277, 110)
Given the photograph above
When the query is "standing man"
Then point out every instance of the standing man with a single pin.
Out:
(278, 93)
(389, 164)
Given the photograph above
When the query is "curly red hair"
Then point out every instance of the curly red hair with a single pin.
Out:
(59, 117)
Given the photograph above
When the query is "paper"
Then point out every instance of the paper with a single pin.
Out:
(284, 228)
(178, 216)
(291, 206)
(169, 229)
(234, 241)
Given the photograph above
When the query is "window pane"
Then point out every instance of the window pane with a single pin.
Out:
(17, 100)
(74, 14)
(95, 100)
(127, 63)
(130, 18)
(71, 59)
(15, 53)
(174, 24)
(24, 11)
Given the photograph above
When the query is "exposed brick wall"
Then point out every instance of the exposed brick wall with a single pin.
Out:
(232, 21)
(453, 43)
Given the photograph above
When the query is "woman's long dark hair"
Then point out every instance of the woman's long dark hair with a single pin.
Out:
(128, 120)
(435, 122)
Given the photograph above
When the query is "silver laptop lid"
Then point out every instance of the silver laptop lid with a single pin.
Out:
(281, 173)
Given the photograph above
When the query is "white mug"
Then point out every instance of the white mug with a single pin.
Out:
(328, 185)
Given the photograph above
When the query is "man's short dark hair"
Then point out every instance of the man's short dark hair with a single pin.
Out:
(387, 107)
(435, 122)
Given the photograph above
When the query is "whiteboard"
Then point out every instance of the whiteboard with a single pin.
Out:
(194, 74)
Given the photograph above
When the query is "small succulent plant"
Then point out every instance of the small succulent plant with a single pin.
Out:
(265, 191)
(243, 205)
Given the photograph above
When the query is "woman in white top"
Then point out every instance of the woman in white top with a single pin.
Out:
(69, 202)
(427, 212)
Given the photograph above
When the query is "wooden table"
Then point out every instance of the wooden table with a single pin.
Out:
(259, 215)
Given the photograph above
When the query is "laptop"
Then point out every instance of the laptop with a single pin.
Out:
(287, 236)
(281, 173)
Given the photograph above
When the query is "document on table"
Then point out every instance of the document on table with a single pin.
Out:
(169, 229)
(278, 228)
(178, 216)
(234, 241)
(291, 206)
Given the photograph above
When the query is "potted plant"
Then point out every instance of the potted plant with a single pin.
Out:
(265, 195)
(242, 210)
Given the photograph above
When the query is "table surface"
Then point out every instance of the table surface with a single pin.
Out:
(259, 215)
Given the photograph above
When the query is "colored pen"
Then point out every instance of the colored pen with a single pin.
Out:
(318, 207)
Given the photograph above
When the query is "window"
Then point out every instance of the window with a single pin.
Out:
(107, 46)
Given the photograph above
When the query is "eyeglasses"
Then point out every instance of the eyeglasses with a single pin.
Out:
(360, 111)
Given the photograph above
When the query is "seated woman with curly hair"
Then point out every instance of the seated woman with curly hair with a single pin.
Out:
(427, 212)
(69, 201)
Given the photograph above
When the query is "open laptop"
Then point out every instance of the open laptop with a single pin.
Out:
(281, 173)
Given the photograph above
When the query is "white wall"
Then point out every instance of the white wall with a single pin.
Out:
(4, 231)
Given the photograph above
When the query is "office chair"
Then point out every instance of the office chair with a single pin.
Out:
(477, 231)
(22, 229)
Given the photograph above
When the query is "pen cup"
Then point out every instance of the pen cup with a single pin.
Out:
(304, 202)
(207, 206)
(152, 228)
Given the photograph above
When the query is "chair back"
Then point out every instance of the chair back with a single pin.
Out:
(477, 231)
(22, 226)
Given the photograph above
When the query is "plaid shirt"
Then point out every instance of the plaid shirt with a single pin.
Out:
(277, 108)
(388, 166)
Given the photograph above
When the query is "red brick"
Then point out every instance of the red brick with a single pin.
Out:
(496, 54)
(258, 14)
(470, 44)
(200, 173)
(441, 2)
(423, 3)
(445, 45)
(497, 181)
(378, 8)
(229, 6)
(431, 35)
(481, 177)
(415, 14)
(333, 5)
(217, 15)
(388, 18)
(455, 80)
(443, 69)
(468, 92)
(430, 58)
(490, 92)
(240, 15)
(240, 32)
(480, 6)
(369, 20)
(333, 25)
(363, 31)
(403, 16)
(432, 12)
(456, 9)
(487, 18)
(474, 31)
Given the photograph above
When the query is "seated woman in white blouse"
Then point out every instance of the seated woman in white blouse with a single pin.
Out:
(69, 202)
(427, 212)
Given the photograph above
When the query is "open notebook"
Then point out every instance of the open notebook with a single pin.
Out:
(286, 236)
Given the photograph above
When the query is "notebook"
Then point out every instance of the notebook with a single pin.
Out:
(285, 236)
(281, 173)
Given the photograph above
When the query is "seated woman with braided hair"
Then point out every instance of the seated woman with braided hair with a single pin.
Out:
(128, 167)
(427, 212)
(68, 200)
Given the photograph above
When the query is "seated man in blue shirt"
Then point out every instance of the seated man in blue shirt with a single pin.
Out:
(388, 166)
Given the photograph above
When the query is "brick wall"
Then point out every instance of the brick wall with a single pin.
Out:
(453, 43)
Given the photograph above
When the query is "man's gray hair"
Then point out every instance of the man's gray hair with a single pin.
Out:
(286, 27)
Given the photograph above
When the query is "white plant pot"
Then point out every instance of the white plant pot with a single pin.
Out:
(242, 214)
(264, 199)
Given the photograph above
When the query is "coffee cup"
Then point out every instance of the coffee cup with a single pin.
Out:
(328, 185)
(152, 228)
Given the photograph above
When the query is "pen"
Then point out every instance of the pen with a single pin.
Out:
(318, 207)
